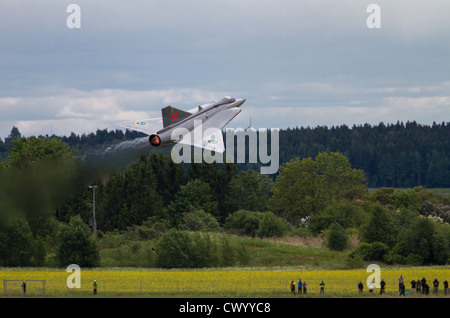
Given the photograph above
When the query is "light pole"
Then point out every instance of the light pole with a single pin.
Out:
(94, 223)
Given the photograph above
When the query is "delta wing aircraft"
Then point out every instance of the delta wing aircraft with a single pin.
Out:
(211, 118)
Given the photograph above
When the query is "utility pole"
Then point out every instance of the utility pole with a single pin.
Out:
(94, 223)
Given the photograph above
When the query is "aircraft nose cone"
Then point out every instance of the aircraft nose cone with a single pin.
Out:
(240, 101)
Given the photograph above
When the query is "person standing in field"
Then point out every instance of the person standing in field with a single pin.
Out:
(402, 289)
(435, 286)
(322, 288)
(360, 287)
(418, 287)
(24, 289)
(423, 283)
(413, 286)
(305, 288)
(446, 287)
(95, 287)
(382, 286)
(300, 286)
(292, 284)
(400, 282)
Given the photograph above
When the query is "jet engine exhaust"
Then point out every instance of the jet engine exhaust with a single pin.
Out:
(154, 140)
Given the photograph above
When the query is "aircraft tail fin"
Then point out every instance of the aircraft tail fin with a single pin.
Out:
(171, 115)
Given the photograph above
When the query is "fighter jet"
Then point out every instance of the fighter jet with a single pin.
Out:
(200, 126)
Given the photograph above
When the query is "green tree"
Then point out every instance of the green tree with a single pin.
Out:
(251, 191)
(227, 255)
(129, 197)
(337, 179)
(77, 245)
(199, 220)
(422, 238)
(348, 214)
(295, 191)
(195, 195)
(305, 187)
(370, 251)
(27, 151)
(179, 249)
(243, 222)
(39, 176)
(336, 238)
(218, 177)
(175, 250)
(271, 226)
(169, 176)
(18, 247)
(384, 196)
(380, 227)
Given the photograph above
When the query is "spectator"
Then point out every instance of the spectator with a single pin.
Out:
(400, 281)
(95, 287)
(435, 286)
(24, 289)
(322, 288)
(425, 289)
(413, 286)
(360, 287)
(423, 282)
(300, 286)
(418, 287)
(402, 289)
(445, 287)
(382, 286)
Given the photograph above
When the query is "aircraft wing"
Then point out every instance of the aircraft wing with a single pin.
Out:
(146, 126)
(212, 131)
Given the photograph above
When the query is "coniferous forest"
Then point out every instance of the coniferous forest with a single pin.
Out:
(395, 155)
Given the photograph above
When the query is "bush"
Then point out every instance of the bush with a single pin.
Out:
(18, 247)
(354, 261)
(336, 238)
(243, 222)
(267, 224)
(174, 250)
(77, 246)
(347, 214)
(271, 226)
(227, 256)
(178, 249)
(424, 238)
(380, 227)
(199, 220)
(414, 259)
(371, 251)
(394, 258)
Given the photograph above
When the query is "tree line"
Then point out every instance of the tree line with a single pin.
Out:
(391, 155)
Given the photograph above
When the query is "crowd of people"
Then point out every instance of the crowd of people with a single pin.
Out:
(417, 287)
(421, 286)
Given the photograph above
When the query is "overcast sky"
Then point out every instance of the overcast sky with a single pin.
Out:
(298, 63)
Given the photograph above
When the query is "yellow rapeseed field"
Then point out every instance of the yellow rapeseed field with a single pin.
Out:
(147, 282)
